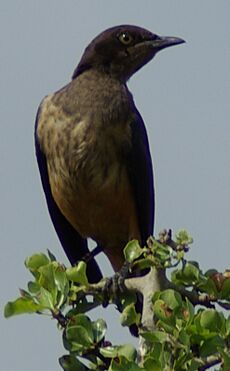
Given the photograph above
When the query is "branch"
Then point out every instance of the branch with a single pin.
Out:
(193, 296)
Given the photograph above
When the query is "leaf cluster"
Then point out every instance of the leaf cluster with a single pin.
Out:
(190, 332)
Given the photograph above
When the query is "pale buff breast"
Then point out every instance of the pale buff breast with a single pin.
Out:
(88, 180)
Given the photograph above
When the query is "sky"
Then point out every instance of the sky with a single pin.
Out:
(183, 96)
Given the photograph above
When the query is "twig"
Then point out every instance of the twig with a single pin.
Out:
(194, 297)
(60, 318)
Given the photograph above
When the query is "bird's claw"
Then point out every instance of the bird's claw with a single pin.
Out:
(115, 286)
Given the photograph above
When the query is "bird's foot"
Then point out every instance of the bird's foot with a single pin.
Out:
(115, 286)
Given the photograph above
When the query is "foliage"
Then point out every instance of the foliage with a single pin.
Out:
(192, 331)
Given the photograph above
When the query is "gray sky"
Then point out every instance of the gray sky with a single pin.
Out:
(183, 96)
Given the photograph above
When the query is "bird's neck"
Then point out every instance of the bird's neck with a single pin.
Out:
(101, 94)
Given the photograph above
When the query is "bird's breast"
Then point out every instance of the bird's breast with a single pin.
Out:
(88, 174)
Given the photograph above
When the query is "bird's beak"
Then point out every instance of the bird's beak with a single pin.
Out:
(165, 41)
(142, 52)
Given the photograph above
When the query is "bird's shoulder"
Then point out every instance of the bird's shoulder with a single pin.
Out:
(57, 115)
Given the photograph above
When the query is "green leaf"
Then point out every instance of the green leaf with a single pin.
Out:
(198, 333)
(21, 306)
(172, 298)
(46, 278)
(211, 346)
(36, 261)
(167, 326)
(109, 352)
(184, 338)
(163, 312)
(132, 251)
(128, 298)
(188, 310)
(46, 299)
(183, 362)
(183, 238)
(155, 336)
(71, 363)
(78, 273)
(79, 334)
(78, 339)
(33, 287)
(228, 326)
(209, 287)
(129, 315)
(99, 328)
(122, 364)
(142, 264)
(225, 292)
(62, 284)
(180, 255)
(193, 365)
(161, 252)
(212, 320)
(60, 278)
(158, 353)
(151, 364)
(25, 294)
(189, 275)
(126, 350)
(226, 358)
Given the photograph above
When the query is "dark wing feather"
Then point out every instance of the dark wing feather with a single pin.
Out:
(141, 177)
(73, 244)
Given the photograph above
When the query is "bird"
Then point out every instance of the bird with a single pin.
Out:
(93, 151)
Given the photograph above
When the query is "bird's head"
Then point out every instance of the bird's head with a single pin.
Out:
(122, 50)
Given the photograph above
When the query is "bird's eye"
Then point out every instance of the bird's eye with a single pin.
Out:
(125, 38)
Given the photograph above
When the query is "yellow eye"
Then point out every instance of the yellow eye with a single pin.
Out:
(125, 38)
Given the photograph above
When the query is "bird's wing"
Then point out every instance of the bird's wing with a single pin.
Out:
(73, 244)
(141, 177)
